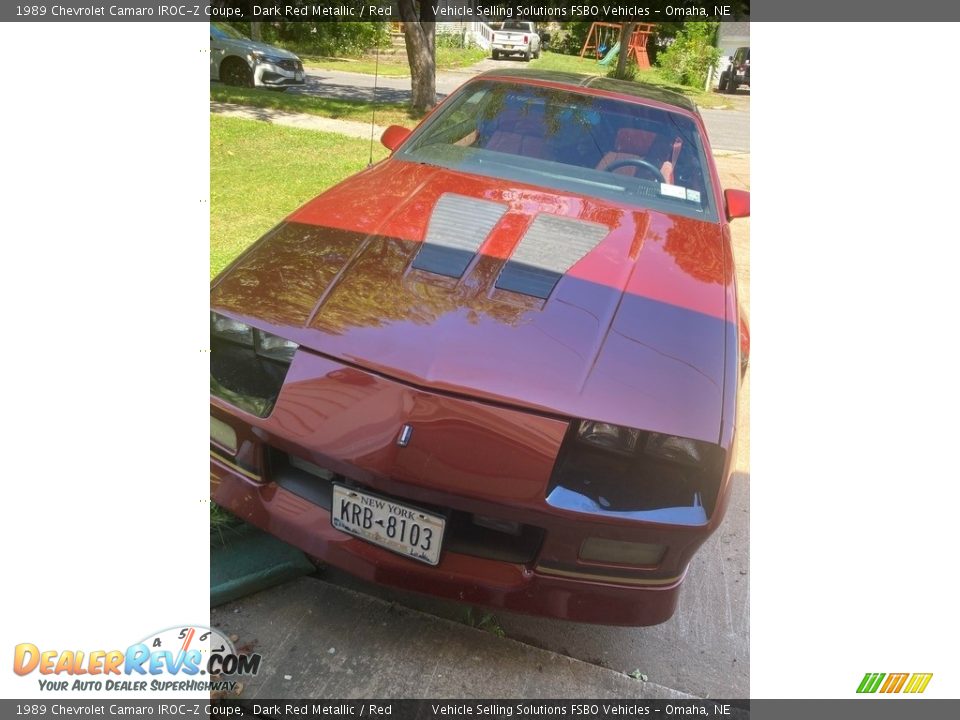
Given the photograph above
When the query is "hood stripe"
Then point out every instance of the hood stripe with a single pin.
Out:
(458, 226)
(551, 246)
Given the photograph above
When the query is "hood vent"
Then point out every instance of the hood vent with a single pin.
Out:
(551, 246)
(458, 227)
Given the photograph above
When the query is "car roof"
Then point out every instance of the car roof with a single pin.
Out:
(577, 81)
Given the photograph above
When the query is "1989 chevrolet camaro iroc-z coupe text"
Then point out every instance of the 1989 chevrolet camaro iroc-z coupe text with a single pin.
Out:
(500, 366)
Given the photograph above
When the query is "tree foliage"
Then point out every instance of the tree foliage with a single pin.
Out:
(570, 39)
(321, 38)
(688, 59)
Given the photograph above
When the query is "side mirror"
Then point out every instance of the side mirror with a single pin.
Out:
(738, 203)
(394, 136)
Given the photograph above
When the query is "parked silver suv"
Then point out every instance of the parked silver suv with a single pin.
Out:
(237, 60)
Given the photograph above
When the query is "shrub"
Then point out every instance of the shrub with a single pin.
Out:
(691, 55)
(630, 71)
(456, 40)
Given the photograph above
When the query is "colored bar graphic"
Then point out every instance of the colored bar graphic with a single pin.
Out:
(894, 682)
(870, 682)
(918, 682)
(915, 683)
(903, 679)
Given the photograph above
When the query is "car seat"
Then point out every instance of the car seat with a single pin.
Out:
(517, 133)
(639, 144)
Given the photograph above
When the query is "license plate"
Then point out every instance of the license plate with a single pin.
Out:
(403, 529)
(509, 47)
(299, 76)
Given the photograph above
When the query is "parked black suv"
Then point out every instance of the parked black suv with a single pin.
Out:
(738, 73)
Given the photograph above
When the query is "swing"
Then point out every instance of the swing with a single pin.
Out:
(602, 39)
(602, 47)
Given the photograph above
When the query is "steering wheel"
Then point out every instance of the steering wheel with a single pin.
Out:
(636, 162)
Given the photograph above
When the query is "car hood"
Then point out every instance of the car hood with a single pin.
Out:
(412, 271)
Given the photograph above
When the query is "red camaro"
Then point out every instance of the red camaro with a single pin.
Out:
(500, 366)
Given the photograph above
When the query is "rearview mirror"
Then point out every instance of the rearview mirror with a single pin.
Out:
(738, 203)
(394, 136)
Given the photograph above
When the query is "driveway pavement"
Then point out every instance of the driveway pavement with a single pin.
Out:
(728, 129)
(319, 640)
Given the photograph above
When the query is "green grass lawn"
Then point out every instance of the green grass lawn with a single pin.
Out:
(220, 518)
(395, 65)
(260, 172)
(587, 66)
(357, 110)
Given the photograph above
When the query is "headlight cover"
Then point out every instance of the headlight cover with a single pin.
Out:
(627, 440)
(259, 57)
(607, 436)
(247, 366)
(275, 347)
(676, 449)
(229, 329)
(266, 344)
(643, 475)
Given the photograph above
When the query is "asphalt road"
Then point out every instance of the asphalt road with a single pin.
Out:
(728, 129)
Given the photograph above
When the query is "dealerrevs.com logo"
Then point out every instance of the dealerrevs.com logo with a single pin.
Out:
(180, 659)
(894, 682)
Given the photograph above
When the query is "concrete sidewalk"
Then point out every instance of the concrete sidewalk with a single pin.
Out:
(322, 641)
(297, 120)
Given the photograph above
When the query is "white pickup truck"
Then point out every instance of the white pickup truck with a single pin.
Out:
(516, 38)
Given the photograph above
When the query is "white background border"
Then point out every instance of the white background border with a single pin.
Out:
(854, 368)
(105, 278)
(855, 385)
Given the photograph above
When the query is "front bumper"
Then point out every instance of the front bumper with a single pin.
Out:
(466, 457)
(270, 75)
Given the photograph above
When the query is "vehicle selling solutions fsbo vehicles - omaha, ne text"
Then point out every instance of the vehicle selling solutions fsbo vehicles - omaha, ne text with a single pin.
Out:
(500, 366)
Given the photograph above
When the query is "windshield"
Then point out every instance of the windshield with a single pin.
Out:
(222, 31)
(525, 27)
(596, 146)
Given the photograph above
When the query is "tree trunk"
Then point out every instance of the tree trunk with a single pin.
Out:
(419, 32)
(625, 34)
(255, 31)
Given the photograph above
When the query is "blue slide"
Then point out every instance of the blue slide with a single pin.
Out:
(608, 58)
